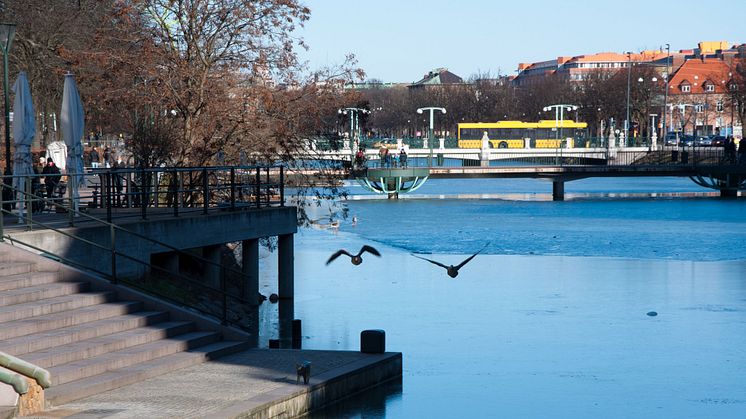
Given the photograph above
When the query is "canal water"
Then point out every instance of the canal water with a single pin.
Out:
(551, 319)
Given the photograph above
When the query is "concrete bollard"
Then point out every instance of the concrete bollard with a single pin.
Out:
(373, 341)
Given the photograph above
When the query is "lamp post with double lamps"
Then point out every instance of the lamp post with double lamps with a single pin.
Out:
(665, 94)
(629, 79)
(354, 124)
(430, 139)
(7, 31)
(559, 115)
(653, 129)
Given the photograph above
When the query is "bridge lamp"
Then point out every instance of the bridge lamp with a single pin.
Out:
(432, 110)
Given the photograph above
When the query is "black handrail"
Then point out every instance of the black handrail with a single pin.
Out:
(205, 188)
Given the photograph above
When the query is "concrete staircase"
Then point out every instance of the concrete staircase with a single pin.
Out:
(92, 336)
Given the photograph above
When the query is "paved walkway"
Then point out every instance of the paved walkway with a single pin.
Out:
(226, 387)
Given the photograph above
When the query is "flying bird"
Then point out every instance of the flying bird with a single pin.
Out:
(356, 259)
(451, 269)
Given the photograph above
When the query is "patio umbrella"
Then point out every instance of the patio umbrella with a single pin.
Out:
(24, 130)
(72, 119)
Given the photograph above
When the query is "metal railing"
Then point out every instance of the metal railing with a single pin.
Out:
(26, 369)
(183, 190)
(220, 294)
(628, 156)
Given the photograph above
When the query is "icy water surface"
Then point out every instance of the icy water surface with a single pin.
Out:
(551, 320)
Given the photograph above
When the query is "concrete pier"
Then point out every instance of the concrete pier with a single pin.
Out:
(250, 269)
(558, 190)
(257, 383)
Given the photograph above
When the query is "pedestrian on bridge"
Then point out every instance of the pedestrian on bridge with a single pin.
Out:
(403, 158)
(730, 150)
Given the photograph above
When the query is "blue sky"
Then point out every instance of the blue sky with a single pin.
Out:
(399, 41)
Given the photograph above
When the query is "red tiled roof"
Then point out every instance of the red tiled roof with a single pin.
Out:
(696, 72)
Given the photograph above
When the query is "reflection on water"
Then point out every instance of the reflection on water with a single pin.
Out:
(371, 405)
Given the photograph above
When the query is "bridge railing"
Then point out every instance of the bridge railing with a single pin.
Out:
(624, 156)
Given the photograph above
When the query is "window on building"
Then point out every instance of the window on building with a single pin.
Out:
(699, 108)
(719, 106)
(686, 88)
(709, 87)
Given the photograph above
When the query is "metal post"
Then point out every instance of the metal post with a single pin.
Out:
(205, 191)
(282, 186)
(71, 202)
(113, 254)
(257, 179)
(27, 200)
(665, 97)
(107, 185)
(556, 124)
(233, 188)
(430, 139)
(175, 180)
(143, 194)
(629, 76)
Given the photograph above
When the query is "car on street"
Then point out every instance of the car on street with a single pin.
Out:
(671, 139)
(687, 140)
(717, 141)
(703, 141)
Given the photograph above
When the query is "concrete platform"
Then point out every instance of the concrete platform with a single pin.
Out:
(258, 383)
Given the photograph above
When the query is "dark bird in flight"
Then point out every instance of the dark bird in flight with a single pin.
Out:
(451, 269)
(356, 259)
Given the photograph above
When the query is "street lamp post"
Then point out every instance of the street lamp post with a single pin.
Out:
(647, 108)
(629, 77)
(653, 133)
(432, 110)
(665, 94)
(7, 31)
(354, 124)
(559, 115)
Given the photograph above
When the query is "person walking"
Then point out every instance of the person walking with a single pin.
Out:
(730, 150)
(742, 152)
(95, 158)
(107, 158)
(51, 177)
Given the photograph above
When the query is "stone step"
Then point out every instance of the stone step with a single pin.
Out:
(53, 338)
(129, 356)
(67, 318)
(68, 392)
(53, 305)
(13, 267)
(97, 346)
(27, 279)
(41, 292)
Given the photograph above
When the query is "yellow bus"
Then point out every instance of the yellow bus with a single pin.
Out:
(514, 134)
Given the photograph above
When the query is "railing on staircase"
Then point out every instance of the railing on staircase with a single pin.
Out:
(107, 198)
(20, 369)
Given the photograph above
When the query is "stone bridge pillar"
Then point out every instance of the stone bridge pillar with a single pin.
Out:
(558, 190)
